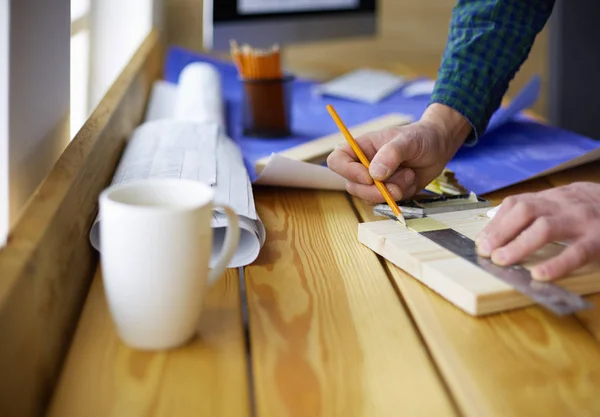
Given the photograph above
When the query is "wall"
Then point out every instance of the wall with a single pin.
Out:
(412, 33)
(38, 99)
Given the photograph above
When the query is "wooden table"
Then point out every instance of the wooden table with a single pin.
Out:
(334, 331)
(320, 326)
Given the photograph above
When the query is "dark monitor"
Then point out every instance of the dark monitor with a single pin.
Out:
(262, 23)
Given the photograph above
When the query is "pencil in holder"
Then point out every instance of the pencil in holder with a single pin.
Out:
(266, 107)
(267, 91)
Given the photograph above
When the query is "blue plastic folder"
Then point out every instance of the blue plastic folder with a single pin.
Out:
(513, 148)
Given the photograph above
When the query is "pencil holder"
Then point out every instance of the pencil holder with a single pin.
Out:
(266, 107)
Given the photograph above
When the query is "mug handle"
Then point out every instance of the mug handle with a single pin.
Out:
(232, 238)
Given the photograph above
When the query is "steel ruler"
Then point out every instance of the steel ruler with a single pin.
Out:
(549, 295)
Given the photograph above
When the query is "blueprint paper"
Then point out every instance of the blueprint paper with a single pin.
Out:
(522, 101)
(513, 148)
(515, 152)
(183, 137)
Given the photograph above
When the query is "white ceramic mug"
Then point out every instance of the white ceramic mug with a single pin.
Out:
(156, 241)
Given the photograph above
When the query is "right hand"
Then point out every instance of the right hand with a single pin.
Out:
(406, 158)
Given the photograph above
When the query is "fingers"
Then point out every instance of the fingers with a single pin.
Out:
(371, 194)
(346, 165)
(400, 185)
(543, 230)
(507, 205)
(508, 223)
(570, 259)
(404, 146)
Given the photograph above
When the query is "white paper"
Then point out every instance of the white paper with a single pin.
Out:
(199, 96)
(419, 88)
(162, 99)
(234, 189)
(365, 85)
(183, 137)
(280, 171)
(286, 172)
(492, 212)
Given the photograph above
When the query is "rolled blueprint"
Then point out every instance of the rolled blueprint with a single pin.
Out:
(199, 95)
(191, 143)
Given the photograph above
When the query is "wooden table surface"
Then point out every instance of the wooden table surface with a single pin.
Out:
(320, 326)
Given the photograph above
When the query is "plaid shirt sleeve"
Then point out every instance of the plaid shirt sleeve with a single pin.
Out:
(488, 42)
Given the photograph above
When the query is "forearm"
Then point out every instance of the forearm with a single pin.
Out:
(488, 42)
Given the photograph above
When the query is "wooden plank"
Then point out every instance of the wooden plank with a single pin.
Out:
(524, 362)
(465, 285)
(48, 263)
(207, 377)
(316, 151)
(329, 336)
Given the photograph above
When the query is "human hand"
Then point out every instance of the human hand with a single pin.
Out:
(406, 158)
(526, 222)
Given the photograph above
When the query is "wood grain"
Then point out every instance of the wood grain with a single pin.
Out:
(522, 363)
(317, 150)
(48, 263)
(459, 281)
(329, 336)
(207, 377)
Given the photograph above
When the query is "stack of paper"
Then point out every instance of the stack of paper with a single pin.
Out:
(190, 143)
(364, 85)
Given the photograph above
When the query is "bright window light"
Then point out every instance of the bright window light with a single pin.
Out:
(80, 45)
(79, 8)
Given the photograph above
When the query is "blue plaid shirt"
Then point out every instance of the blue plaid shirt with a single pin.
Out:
(488, 42)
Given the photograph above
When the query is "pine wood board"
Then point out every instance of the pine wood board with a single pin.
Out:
(329, 335)
(522, 362)
(207, 377)
(316, 151)
(465, 285)
(48, 264)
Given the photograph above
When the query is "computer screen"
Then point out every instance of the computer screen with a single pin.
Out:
(265, 22)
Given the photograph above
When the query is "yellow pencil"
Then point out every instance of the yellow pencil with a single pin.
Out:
(363, 159)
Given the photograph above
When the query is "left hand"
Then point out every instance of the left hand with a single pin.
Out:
(526, 222)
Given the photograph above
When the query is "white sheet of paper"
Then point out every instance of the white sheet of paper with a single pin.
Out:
(286, 172)
(199, 96)
(419, 88)
(166, 148)
(364, 84)
(234, 189)
(183, 137)
(162, 99)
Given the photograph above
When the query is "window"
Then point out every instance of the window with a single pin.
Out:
(104, 36)
(57, 60)
(35, 94)
(80, 64)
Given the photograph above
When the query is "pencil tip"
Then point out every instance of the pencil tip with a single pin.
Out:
(401, 219)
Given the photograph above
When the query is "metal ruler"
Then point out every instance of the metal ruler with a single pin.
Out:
(551, 296)
(428, 205)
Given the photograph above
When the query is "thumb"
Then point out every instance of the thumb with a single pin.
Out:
(389, 157)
